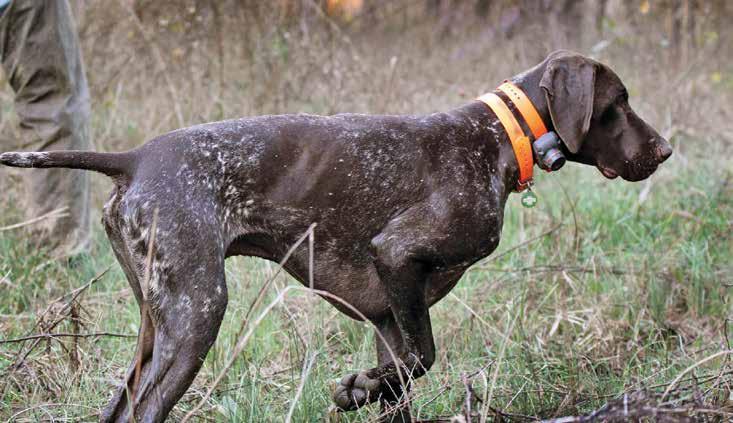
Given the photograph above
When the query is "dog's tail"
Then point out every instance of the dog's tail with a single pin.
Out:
(116, 165)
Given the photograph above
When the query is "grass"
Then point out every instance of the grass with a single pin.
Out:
(614, 287)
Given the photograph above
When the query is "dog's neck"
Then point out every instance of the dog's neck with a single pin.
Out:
(489, 135)
(488, 145)
(529, 82)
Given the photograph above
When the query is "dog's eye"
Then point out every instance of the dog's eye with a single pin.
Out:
(609, 115)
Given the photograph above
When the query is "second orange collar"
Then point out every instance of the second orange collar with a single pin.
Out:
(521, 143)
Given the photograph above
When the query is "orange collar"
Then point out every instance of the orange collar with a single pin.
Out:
(520, 142)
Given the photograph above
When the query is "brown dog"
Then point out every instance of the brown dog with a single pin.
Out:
(404, 205)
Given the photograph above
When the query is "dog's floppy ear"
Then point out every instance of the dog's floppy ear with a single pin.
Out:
(568, 82)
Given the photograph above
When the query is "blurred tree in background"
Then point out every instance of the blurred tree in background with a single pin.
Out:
(164, 64)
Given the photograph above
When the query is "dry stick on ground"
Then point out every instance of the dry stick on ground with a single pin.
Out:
(639, 384)
(261, 293)
(693, 367)
(144, 313)
(549, 268)
(494, 377)
(489, 259)
(643, 404)
(469, 396)
(640, 405)
(242, 342)
(21, 356)
(576, 233)
(53, 214)
(66, 335)
(307, 363)
(52, 404)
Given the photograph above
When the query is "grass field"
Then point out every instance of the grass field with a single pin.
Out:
(605, 287)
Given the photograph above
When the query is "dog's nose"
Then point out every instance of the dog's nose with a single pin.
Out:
(663, 149)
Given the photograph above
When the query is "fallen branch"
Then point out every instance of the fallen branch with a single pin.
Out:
(23, 354)
(66, 335)
(57, 214)
(558, 268)
(481, 265)
(644, 404)
(693, 367)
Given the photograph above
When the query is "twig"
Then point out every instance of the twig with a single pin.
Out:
(520, 245)
(469, 395)
(304, 375)
(559, 268)
(495, 376)
(74, 295)
(691, 368)
(261, 293)
(78, 291)
(65, 335)
(57, 213)
(576, 231)
(243, 341)
(52, 404)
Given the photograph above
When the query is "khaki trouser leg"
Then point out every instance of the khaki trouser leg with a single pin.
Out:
(42, 60)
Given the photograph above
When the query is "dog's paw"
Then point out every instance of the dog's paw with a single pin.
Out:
(355, 391)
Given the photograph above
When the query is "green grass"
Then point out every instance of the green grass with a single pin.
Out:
(623, 294)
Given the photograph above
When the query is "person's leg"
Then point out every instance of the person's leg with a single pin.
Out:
(42, 60)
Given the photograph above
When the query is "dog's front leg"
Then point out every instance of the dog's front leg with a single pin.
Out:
(401, 265)
(390, 345)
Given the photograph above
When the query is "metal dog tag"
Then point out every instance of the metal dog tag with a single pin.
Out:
(529, 200)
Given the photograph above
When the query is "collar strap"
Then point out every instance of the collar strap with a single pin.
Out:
(520, 142)
(526, 108)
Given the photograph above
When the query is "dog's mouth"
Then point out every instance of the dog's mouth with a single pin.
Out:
(607, 172)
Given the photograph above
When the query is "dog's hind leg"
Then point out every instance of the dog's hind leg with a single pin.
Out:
(186, 297)
(119, 405)
(130, 262)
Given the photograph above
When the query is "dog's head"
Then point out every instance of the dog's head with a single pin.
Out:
(589, 108)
